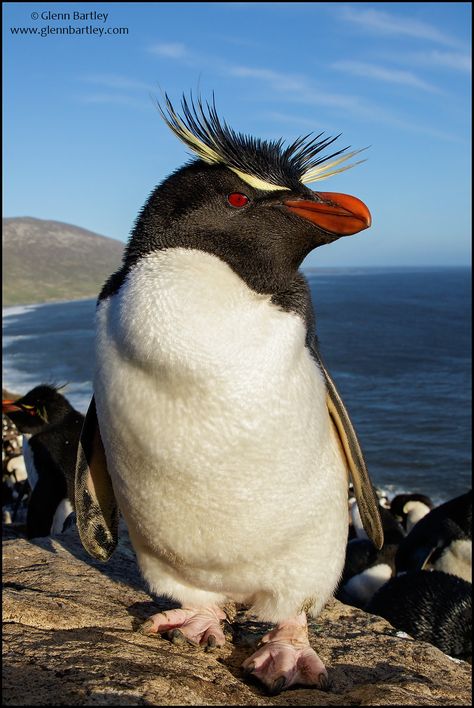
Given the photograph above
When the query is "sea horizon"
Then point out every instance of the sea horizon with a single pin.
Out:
(330, 270)
(395, 339)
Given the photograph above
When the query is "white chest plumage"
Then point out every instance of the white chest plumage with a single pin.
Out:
(218, 440)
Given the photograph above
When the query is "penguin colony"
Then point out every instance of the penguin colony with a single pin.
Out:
(420, 581)
(208, 368)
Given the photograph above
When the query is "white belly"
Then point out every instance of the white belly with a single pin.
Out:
(217, 436)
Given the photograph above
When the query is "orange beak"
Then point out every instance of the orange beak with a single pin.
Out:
(9, 405)
(338, 214)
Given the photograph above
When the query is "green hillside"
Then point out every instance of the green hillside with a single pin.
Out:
(50, 260)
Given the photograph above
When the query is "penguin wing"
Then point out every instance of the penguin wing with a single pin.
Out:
(96, 507)
(350, 448)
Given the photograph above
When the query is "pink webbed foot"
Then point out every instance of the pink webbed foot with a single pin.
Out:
(197, 625)
(286, 659)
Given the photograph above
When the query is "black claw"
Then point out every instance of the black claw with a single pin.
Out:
(176, 636)
(277, 686)
(248, 669)
(323, 682)
(211, 643)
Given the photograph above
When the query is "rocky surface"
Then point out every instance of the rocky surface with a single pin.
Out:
(70, 639)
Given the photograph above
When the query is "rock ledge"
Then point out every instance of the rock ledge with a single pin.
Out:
(70, 639)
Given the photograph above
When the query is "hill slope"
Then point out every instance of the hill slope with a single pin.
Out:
(50, 260)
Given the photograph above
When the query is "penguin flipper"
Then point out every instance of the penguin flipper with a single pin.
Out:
(363, 488)
(96, 507)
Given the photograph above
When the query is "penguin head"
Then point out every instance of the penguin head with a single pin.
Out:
(246, 200)
(41, 406)
(402, 504)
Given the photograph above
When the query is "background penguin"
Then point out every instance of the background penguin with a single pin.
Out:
(15, 486)
(382, 498)
(393, 531)
(239, 487)
(408, 509)
(367, 568)
(444, 537)
(50, 455)
(429, 605)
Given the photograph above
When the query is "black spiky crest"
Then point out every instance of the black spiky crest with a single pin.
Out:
(265, 164)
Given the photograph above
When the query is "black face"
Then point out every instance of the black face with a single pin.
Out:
(261, 239)
(41, 406)
(210, 208)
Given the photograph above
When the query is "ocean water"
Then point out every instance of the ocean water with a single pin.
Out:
(396, 341)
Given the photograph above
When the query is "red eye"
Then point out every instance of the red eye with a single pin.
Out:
(237, 200)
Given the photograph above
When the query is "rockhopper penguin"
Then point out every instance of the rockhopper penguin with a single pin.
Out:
(50, 455)
(237, 485)
(408, 509)
(441, 540)
(432, 606)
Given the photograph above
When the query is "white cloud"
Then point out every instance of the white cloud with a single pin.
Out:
(394, 76)
(278, 80)
(387, 23)
(301, 89)
(457, 61)
(173, 50)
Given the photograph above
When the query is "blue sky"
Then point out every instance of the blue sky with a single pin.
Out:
(84, 144)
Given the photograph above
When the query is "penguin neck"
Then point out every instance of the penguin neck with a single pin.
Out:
(267, 272)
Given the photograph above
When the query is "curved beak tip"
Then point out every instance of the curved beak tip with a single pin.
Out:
(339, 214)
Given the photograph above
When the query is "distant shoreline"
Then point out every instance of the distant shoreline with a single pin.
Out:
(48, 302)
(389, 268)
(310, 270)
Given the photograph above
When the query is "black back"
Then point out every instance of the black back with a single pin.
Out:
(446, 523)
(429, 605)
